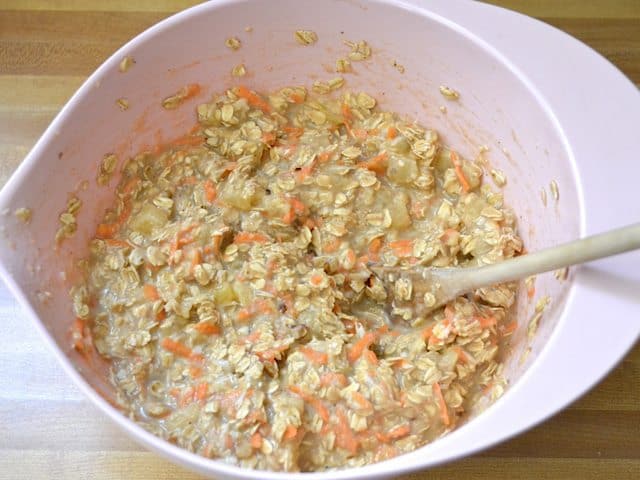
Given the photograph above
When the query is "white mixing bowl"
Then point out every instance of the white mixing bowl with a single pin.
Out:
(548, 108)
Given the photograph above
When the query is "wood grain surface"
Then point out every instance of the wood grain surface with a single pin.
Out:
(48, 430)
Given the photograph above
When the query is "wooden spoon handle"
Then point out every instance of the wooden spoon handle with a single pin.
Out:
(572, 253)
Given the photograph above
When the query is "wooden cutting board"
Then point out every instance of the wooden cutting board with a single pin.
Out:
(48, 430)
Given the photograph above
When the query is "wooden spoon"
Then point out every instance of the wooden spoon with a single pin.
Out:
(445, 284)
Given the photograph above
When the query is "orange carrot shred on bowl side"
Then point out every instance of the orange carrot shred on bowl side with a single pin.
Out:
(107, 230)
(252, 98)
(191, 90)
(319, 358)
(186, 141)
(444, 413)
(457, 165)
(392, 132)
(150, 292)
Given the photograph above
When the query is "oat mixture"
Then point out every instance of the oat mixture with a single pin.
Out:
(230, 284)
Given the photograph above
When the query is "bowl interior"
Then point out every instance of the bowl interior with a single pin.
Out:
(497, 109)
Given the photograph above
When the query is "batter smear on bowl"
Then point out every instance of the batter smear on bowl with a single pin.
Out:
(229, 284)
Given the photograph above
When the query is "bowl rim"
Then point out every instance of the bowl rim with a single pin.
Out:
(471, 19)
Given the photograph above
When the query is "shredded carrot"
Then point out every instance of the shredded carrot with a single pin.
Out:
(107, 230)
(509, 328)
(207, 328)
(293, 133)
(256, 440)
(382, 330)
(323, 157)
(228, 441)
(150, 292)
(351, 256)
(304, 172)
(112, 242)
(269, 138)
(486, 322)
(427, 333)
(252, 98)
(315, 402)
(332, 246)
(371, 357)
(186, 141)
(316, 279)
(190, 91)
(253, 337)
(319, 358)
(187, 397)
(290, 432)
(374, 249)
(196, 258)
(296, 98)
(345, 438)
(392, 132)
(399, 432)
(457, 165)
(299, 207)
(201, 391)
(531, 291)
(402, 248)
(179, 349)
(361, 400)
(296, 208)
(377, 164)
(77, 333)
(360, 346)
(210, 191)
(250, 237)
(257, 307)
(463, 357)
(161, 315)
(360, 133)
(444, 413)
(346, 112)
(331, 378)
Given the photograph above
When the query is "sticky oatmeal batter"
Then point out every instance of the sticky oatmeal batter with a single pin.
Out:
(229, 284)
